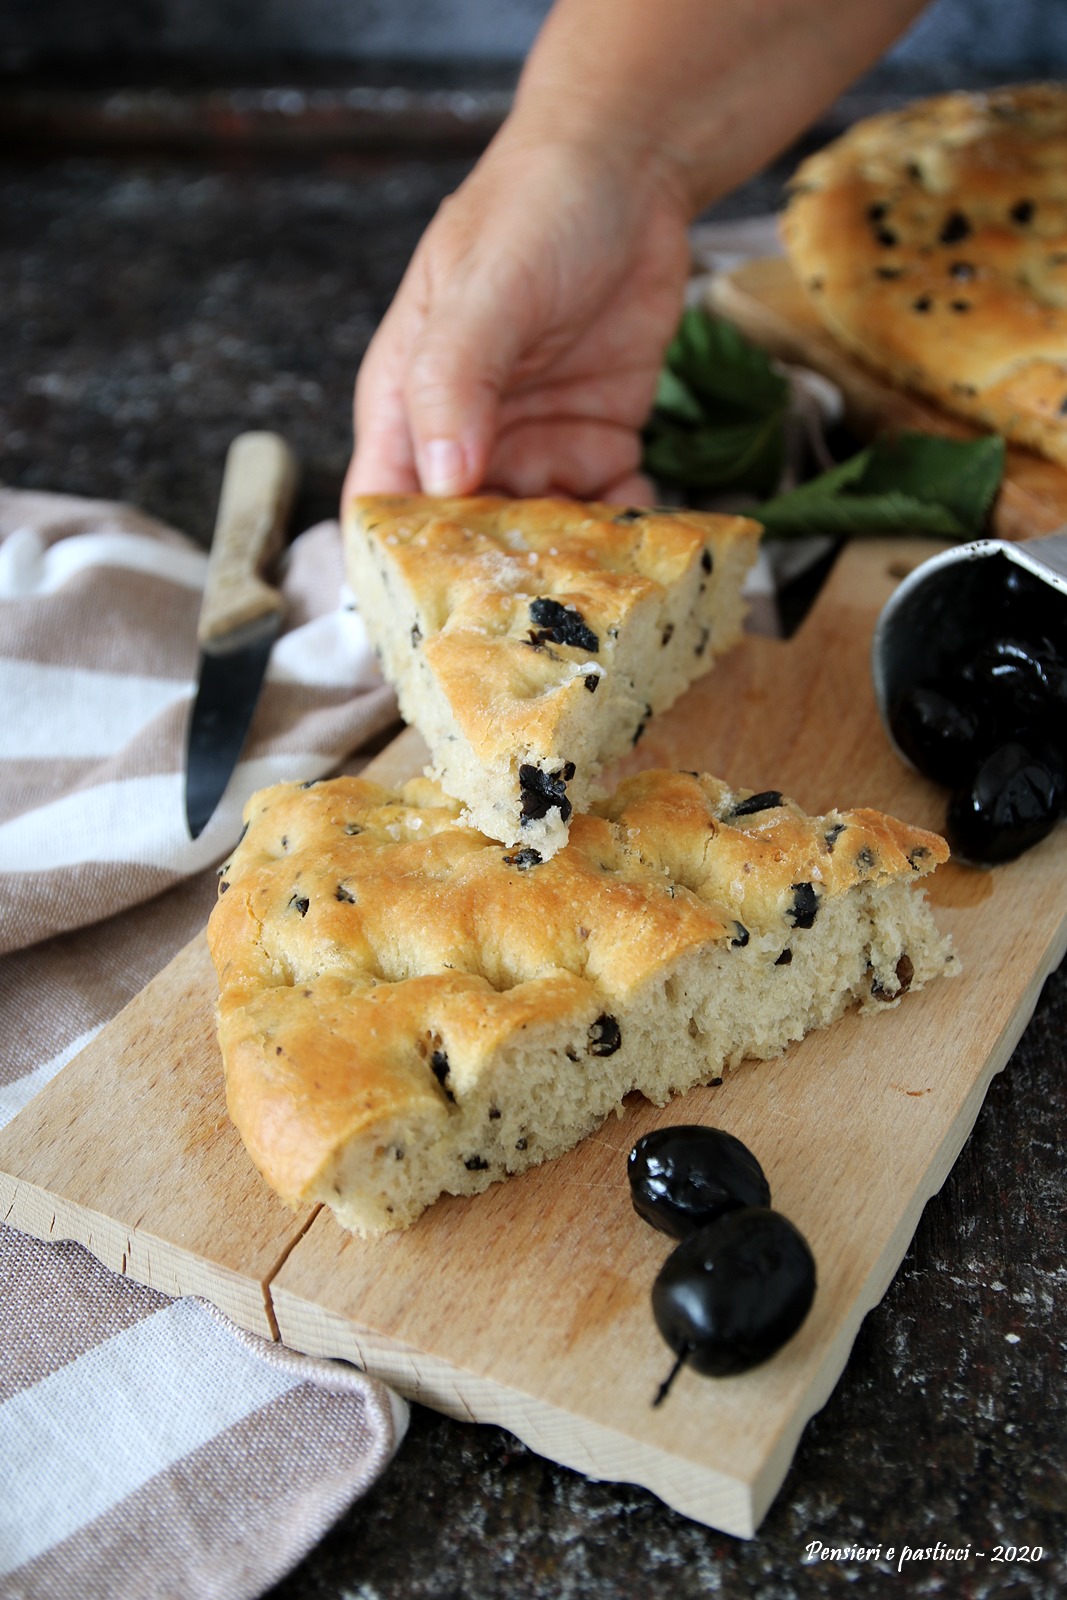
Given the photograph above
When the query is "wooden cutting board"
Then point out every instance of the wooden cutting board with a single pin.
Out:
(764, 300)
(529, 1306)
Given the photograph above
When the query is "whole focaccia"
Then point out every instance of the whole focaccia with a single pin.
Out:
(408, 1008)
(531, 640)
(932, 243)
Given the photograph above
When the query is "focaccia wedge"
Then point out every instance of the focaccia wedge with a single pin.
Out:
(408, 1008)
(531, 640)
(932, 243)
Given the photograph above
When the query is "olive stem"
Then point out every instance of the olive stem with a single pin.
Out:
(662, 1391)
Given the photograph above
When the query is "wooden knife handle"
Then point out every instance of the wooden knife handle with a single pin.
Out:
(258, 485)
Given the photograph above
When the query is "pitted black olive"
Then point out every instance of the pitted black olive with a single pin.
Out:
(733, 1293)
(938, 733)
(766, 800)
(524, 859)
(1013, 802)
(562, 624)
(685, 1176)
(605, 1036)
(1015, 681)
(805, 906)
(539, 791)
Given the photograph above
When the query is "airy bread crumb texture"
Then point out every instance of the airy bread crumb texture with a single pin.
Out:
(407, 1008)
(530, 641)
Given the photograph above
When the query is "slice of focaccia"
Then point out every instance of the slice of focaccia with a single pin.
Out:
(408, 1008)
(530, 641)
(932, 243)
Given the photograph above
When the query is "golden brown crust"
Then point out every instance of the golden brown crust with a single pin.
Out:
(932, 242)
(362, 935)
(540, 632)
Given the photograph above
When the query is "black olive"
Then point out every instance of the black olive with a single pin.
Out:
(440, 1067)
(539, 791)
(938, 732)
(605, 1036)
(1018, 678)
(562, 624)
(685, 1176)
(732, 1294)
(524, 859)
(766, 800)
(955, 228)
(1011, 804)
(805, 907)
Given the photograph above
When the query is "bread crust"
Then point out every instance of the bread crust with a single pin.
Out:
(932, 243)
(540, 633)
(380, 965)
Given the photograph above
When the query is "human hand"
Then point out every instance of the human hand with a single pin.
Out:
(522, 349)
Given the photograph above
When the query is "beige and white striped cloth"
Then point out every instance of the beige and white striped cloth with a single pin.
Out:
(147, 1447)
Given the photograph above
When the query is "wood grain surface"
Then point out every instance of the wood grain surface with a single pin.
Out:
(763, 299)
(529, 1306)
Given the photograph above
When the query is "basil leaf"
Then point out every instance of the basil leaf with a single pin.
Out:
(914, 483)
(718, 423)
(722, 369)
(841, 515)
(961, 474)
(674, 398)
(740, 455)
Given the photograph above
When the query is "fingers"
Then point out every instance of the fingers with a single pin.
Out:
(576, 456)
(633, 490)
(522, 348)
(384, 458)
(462, 362)
(428, 391)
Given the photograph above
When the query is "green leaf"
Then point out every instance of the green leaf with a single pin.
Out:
(841, 515)
(958, 473)
(718, 423)
(835, 480)
(722, 369)
(674, 398)
(915, 483)
(741, 455)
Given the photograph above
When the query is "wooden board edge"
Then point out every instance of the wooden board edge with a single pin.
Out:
(131, 1253)
(825, 1378)
(716, 1499)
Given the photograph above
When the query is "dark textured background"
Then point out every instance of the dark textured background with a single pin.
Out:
(1025, 36)
(175, 267)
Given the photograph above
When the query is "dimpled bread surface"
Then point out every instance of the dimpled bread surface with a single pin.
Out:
(932, 243)
(408, 1008)
(531, 640)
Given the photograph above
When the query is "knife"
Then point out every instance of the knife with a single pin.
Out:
(240, 616)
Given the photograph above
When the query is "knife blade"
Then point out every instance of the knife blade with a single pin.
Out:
(240, 616)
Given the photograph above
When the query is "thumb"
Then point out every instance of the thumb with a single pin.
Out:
(461, 364)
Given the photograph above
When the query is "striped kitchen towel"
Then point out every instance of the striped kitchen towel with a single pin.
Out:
(98, 609)
(147, 1447)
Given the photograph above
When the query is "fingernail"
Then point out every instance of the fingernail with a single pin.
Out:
(442, 467)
